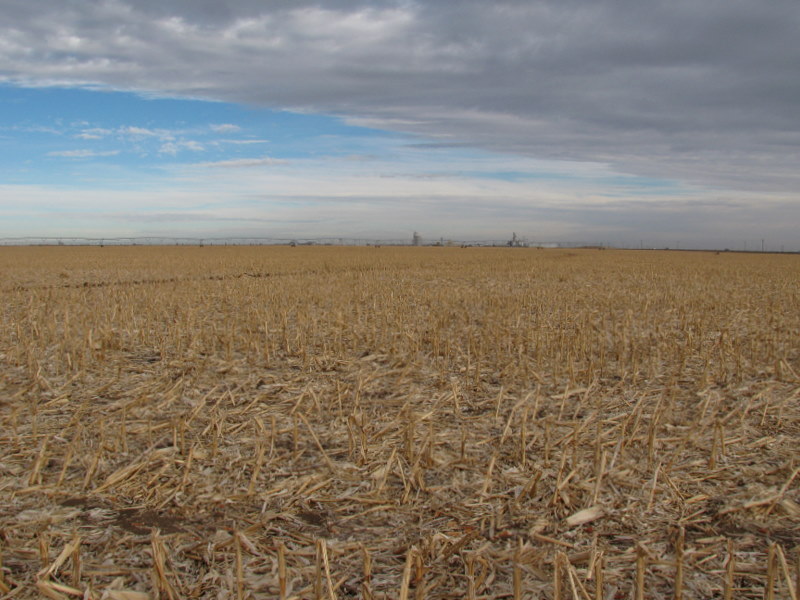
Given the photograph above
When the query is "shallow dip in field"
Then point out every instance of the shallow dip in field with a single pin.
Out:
(398, 423)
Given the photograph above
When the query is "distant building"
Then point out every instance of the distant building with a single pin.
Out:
(515, 242)
(416, 239)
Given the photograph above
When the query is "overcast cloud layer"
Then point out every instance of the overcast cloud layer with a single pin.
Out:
(704, 92)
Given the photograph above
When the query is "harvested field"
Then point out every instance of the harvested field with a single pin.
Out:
(398, 423)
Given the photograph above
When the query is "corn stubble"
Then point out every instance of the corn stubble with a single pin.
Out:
(398, 423)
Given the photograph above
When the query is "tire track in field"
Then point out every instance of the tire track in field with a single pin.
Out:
(164, 280)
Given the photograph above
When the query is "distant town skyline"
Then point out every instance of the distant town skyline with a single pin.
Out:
(677, 125)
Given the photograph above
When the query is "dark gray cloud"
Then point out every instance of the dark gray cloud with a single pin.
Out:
(705, 92)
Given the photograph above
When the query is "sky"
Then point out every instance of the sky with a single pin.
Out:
(598, 121)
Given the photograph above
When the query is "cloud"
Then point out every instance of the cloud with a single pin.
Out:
(325, 197)
(134, 132)
(701, 92)
(224, 128)
(82, 153)
(94, 133)
(240, 163)
(241, 142)
(173, 148)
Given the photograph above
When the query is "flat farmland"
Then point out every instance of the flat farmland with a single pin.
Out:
(334, 422)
